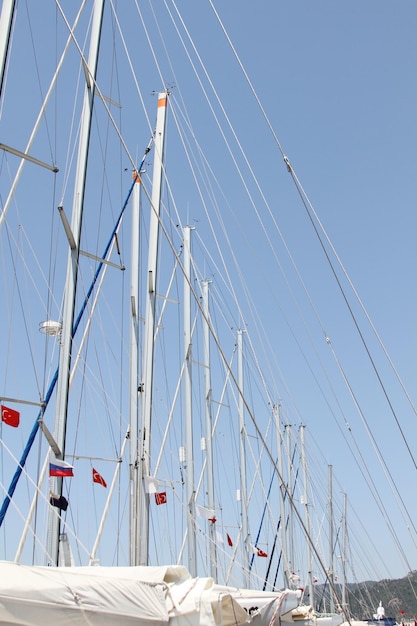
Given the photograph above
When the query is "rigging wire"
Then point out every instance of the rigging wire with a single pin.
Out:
(97, 88)
(308, 206)
(290, 169)
(22, 307)
(35, 59)
(373, 490)
(237, 387)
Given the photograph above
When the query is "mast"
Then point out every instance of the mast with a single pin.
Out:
(6, 23)
(147, 370)
(331, 564)
(344, 589)
(209, 427)
(307, 517)
(243, 489)
(134, 369)
(281, 498)
(61, 413)
(290, 509)
(188, 409)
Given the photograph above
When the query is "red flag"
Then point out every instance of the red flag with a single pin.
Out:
(98, 478)
(229, 540)
(161, 498)
(260, 552)
(10, 416)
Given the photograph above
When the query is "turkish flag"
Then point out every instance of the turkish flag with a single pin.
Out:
(260, 552)
(98, 478)
(161, 498)
(10, 416)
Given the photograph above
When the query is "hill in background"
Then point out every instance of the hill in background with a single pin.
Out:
(398, 597)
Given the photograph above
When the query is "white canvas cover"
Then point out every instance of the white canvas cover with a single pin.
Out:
(32, 596)
(93, 596)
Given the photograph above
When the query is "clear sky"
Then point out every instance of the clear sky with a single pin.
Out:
(316, 256)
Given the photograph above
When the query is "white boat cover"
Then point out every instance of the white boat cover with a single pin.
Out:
(100, 596)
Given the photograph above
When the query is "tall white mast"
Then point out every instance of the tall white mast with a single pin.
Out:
(307, 518)
(331, 557)
(6, 22)
(290, 509)
(283, 524)
(72, 272)
(188, 410)
(134, 369)
(209, 427)
(344, 555)
(243, 487)
(147, 374)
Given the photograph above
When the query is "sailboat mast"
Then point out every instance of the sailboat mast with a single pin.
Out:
(331, 564)
(290, 508)
(148, 353)
(209, 427)
(283, 524)
(134, 369)
(6, 22)
(61, 412)
(188, 409)
(344, 588)
(243, 488)
(307, 517)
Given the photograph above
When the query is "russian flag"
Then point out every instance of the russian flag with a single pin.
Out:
(60, 468)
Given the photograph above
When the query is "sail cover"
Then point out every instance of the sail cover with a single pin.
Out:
(71, 597)
(100, 596)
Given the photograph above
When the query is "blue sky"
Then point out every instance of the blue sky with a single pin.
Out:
(337, 82)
